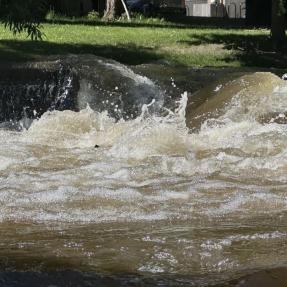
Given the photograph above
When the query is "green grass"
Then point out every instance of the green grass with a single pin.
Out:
(146, 41)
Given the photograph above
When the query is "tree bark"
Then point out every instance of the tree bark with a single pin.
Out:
(277, 24)
(113, 9)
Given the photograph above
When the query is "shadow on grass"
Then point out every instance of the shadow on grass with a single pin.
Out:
(12, 50)
(250, 50)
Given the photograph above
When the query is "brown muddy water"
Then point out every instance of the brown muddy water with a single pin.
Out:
(154, 203)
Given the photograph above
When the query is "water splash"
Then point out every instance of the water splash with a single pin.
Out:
(153, 198)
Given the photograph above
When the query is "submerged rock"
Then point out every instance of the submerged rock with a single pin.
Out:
(245, 96)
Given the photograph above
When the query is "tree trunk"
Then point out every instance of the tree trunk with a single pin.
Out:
(113, 9)
(277, 24)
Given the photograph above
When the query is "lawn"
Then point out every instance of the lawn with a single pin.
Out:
(147, 42)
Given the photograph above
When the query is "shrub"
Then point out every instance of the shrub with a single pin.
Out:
(93, 15)
(51, 15)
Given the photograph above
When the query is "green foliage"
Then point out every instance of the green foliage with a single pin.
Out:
(51, 15)
(23, 16)
(93, 15)
(282, 7)
(140, 18)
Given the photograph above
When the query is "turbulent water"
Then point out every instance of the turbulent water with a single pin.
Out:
(146, 200)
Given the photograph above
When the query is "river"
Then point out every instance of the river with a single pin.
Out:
(143, 201)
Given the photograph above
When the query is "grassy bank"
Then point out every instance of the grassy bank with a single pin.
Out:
(146, 42)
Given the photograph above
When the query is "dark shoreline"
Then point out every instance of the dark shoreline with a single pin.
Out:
(276, 277)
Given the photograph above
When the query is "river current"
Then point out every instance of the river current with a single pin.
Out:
(146, 200)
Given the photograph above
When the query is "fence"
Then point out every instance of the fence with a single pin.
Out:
(229, 9)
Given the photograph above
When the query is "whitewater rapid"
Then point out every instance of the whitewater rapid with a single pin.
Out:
(147, 195)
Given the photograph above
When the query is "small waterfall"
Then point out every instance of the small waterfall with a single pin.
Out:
(29, 90)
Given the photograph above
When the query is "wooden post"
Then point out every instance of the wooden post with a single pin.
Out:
(126, 10)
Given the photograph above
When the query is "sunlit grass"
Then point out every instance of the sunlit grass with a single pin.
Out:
(142, 43)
